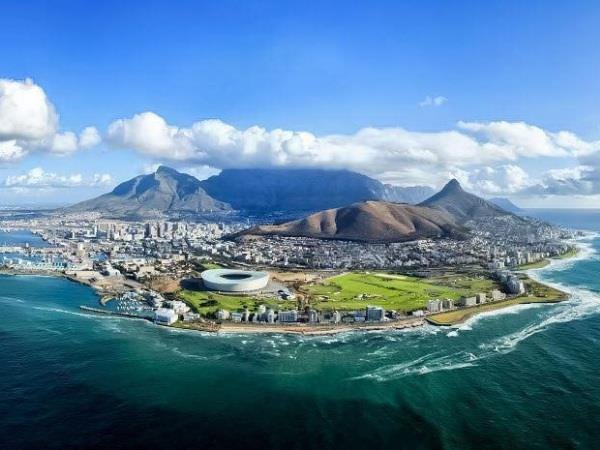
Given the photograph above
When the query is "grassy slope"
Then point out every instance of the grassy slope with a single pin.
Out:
(538, 293)
(211, 265)
(401, 293)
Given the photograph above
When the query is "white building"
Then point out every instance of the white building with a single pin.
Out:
(434, 306)
(375, 313)
(497, 295)
(468, 301)
(288, 316)
(178, 306)
(223, 314)
(165, 316)
(515, 286)
(447, 303)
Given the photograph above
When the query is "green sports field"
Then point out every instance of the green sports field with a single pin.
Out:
(207, 303)
(398, 292)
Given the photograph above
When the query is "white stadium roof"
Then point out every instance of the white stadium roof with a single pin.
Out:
(233, 280)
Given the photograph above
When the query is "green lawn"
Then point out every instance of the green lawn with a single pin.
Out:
(211, 265)
(402, 293)
(206, 302)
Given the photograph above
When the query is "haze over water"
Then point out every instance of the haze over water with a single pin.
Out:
(524, 377)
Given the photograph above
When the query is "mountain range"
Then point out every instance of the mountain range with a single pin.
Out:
(336, 204)
(258, 191)
(449, 213)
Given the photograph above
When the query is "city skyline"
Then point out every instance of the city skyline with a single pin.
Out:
(409, 94)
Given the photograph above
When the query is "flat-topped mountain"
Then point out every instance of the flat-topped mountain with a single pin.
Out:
(303, 190)
(462, 205)
(256, 191)
(371, 221)
(166, 191)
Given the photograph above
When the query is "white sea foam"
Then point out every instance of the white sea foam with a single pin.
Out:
(423, 365)
(76, 313)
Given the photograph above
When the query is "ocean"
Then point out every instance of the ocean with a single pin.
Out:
(525, 377)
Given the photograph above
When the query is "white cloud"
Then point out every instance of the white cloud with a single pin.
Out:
(89, 137)
(150, 134)
(63, 143)
(395, 155)
(580, 180)
(201, 172)
(11, 151)
(102, 179)
(501, 180)
(25, 111)
(29, 122)
(518, 139)
(433, 101)
(486, 156)
(38, 178)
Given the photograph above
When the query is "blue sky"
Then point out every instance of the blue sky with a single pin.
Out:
(327, 68)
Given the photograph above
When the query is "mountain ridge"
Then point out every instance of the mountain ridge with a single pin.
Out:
(370, 221)
(506, 205)
(162, 192)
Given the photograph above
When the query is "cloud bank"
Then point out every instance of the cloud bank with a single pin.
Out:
(29, 123)
(485, 155)
(488, 157)
(38, 178)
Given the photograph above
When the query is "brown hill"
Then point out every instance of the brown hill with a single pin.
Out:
(371, 221)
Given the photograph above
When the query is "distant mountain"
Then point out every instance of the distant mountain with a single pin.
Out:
(461, 205)
(411, 194)
(371, 221)
(506, 205)
(166, 191)
(302, 190)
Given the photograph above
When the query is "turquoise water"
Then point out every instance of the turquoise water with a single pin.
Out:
(520, 378)
(21, 237)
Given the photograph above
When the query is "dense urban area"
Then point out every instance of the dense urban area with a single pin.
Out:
(153, 269)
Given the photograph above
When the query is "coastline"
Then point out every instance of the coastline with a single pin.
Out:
(582, 252)
(449, 318)
(308, 330)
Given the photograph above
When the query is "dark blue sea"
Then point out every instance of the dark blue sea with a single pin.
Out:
(526, 377)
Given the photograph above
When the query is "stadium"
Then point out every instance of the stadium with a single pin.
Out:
(231, 280)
